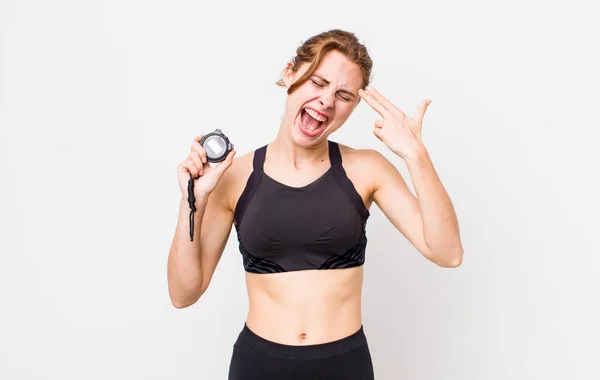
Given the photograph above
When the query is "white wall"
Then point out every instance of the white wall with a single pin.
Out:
(99, 101)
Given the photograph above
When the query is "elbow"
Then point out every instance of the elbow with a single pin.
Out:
(454, 263)
(450, 258)
(187, 299)
(179, 304)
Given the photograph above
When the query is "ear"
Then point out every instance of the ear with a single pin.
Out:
(288, 75)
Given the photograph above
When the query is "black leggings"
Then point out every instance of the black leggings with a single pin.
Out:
(255, 358)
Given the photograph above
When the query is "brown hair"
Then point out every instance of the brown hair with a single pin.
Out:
(314, 49)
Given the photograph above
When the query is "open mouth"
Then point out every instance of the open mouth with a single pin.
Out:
(311, 122)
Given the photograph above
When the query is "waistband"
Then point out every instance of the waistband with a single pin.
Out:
(312, 351)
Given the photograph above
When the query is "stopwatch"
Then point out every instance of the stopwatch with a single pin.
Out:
(216, 145)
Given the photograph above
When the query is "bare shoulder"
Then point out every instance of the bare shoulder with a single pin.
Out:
(367, 161)
(234, 180)
(366, 168)
(240, 167)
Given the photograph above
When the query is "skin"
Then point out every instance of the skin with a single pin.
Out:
(315, 306)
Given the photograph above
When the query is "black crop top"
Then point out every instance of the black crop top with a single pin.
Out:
(318, 226)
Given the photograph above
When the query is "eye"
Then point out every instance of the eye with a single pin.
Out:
(345, 98)
(317, 84)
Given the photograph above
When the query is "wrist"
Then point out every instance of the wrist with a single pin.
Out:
(199, 199)
(418, 156)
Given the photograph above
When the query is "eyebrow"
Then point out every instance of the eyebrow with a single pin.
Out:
(340, 90)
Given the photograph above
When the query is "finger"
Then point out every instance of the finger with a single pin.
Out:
(191, 167)
(227, 161)
(378, 132)
(378, 123)
(373, 103)
(196, 147)
(384, 101)
(231, 155)
(195, 156)
(420, 113)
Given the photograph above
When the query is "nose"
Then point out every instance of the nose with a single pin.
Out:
(327, 99)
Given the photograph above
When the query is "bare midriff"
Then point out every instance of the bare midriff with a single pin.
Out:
(305, 307)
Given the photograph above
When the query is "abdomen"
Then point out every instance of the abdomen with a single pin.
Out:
(305, 307)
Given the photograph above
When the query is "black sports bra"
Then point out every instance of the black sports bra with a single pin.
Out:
(318, 226)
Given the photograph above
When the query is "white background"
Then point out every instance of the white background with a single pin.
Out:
(99, 102)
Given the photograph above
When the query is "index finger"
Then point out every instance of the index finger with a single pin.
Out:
(380, 109)
(197, 147)
(385, 102)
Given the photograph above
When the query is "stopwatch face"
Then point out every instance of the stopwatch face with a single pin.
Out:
(215, 147)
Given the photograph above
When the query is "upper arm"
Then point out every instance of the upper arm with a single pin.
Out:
(398, 204)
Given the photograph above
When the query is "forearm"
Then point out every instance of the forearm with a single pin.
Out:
(440, 225)
(184, 269)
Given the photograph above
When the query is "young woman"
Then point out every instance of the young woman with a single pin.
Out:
(300, 205)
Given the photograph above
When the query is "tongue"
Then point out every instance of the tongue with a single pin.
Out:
(308, 122)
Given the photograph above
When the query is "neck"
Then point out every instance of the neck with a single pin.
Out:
(287, 152)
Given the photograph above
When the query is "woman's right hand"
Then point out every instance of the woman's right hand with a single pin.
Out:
(197, 164)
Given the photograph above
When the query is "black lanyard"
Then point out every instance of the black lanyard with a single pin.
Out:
(192, 203)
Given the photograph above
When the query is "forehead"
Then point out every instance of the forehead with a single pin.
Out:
(339, 70)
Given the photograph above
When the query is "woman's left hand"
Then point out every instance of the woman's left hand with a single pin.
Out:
(399, 132)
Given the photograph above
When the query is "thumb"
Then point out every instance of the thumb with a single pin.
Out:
(226, 163)
(420, 113)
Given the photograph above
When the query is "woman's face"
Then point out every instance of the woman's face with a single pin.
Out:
(324, 102)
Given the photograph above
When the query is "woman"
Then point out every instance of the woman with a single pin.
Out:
(300, 205)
